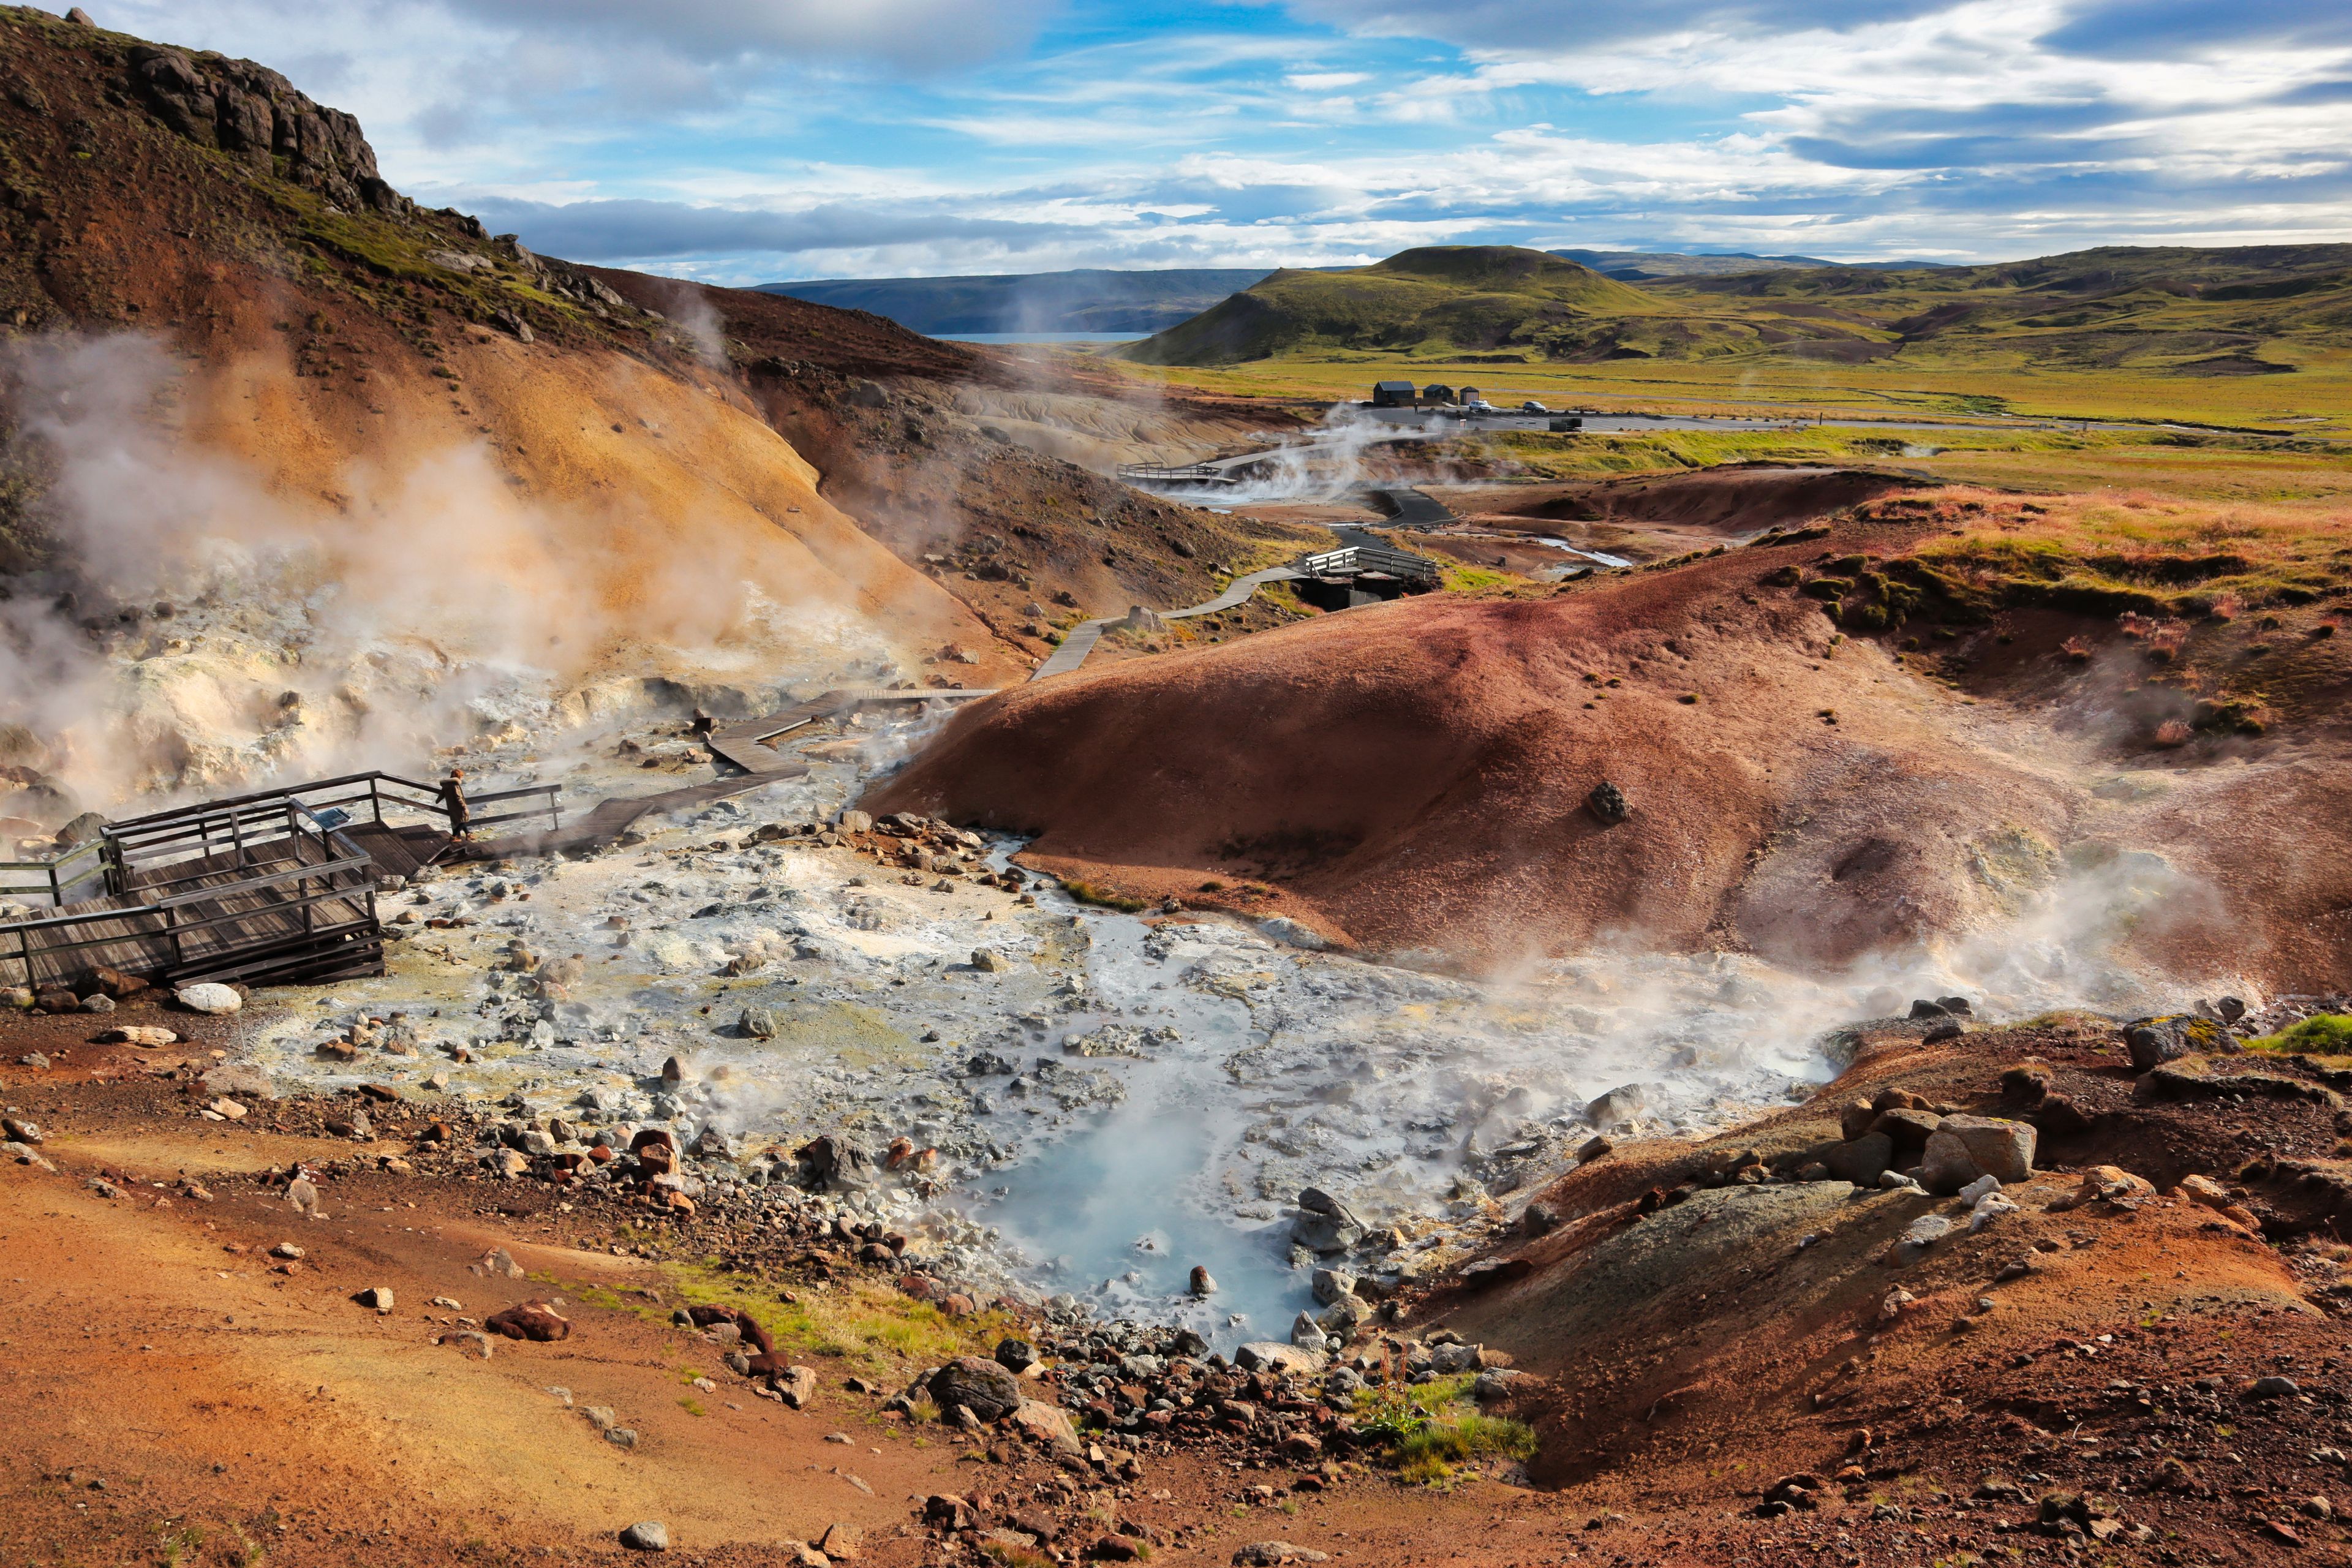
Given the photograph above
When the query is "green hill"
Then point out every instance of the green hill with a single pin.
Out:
(2237, 312)
(1438, 300)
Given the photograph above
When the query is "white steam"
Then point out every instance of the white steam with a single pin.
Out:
(218, 629)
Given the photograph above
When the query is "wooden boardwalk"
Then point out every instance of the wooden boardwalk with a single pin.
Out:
(228, 915)
(744, 743)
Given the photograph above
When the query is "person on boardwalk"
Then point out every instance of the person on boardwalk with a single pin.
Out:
(453, 800)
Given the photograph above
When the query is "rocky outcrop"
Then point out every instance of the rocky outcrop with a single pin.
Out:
(260, 119)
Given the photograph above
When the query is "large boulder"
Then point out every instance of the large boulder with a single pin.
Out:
(1963, 1148)
(210, 997)
(980, 1385)
(2169, 1035)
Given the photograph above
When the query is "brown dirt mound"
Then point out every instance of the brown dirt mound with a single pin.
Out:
(1734, 498)
(1710, 1334)
(1416, 774)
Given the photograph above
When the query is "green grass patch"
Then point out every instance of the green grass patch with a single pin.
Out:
(2323, 1035)
(1458, 579)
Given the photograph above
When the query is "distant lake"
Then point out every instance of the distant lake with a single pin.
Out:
(1041, 337)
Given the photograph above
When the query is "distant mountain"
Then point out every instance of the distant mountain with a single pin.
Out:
(1442, 298)
(1635, 266)
(1089, 300)
(2173, 311)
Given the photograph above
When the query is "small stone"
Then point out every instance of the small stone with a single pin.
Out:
(1608, 804)
(1204, 1284)
(841, 1542)
(376, 1296)
(146, 1035)
(2273, 1387)
(21, 1131)
(990, 961)
(646, 1535)
(621, 1437)
(286, 1249)
(1273, 1553)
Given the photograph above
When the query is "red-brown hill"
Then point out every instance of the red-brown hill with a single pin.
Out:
(1415, 777)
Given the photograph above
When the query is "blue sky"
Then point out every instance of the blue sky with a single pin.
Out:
(748, 141)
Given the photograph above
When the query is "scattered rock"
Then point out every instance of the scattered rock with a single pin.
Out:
(2273, 1387)
(646, 1535)
(759, 1022)
(1047, 1424)
(1266, 1355)
(1203, 1285)
(986, 1389)
(498, 1263)
(1608, 804)
(20, 1130)
(795, 1385)
(376, 1296)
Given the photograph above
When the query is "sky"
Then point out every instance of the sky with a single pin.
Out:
(753, 140)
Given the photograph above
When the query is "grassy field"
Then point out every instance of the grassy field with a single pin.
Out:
(2195, 465)
(2316, 400)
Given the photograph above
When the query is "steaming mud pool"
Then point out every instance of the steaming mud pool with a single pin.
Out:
(1113, 1100)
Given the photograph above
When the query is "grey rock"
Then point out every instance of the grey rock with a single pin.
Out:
(239, 1080)
(1861, 1160)
(2273, 1387)
(1493, 1383)
(646, 1535)
(759, 1022)
(1625, 1104)
(1015, 1355)
(1329, 1284)
(2165, 1037)
(621, 1436)
(1307, 1333)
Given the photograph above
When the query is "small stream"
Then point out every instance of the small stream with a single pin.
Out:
(1110, 1209)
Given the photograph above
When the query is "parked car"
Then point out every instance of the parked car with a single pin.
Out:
(1532, 406)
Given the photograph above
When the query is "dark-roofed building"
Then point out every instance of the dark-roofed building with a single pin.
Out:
(1437, 391)
(1391, 395)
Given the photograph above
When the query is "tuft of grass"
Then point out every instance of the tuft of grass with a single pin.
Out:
(1431, 1428)
(1088, 893)
(2322, 1035)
